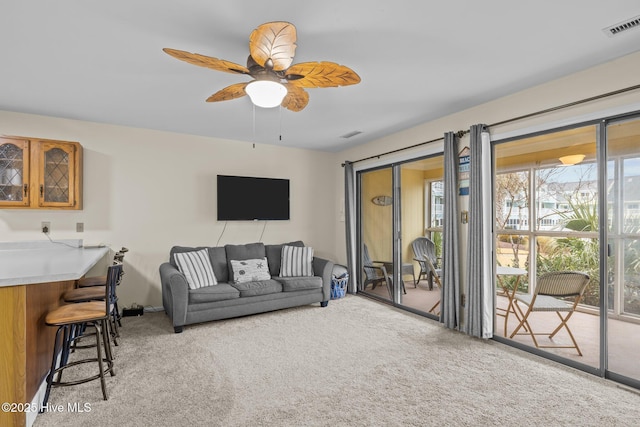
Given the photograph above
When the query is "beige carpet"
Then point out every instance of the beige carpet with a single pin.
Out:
(354, 363)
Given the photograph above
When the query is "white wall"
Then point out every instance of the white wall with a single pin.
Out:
(149, 190)
(618, 74)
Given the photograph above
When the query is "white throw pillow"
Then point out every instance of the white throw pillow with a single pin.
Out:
(296, 261)
(250, 270)
(196, 266)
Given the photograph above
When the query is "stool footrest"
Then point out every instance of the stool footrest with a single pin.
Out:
(108, 370)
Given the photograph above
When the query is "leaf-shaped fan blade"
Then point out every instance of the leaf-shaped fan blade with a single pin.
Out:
(275, 41)
(230, 92)
(321, 74)
(296, 98)
(207, 61)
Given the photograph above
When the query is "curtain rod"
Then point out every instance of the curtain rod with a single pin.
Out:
(461, 133)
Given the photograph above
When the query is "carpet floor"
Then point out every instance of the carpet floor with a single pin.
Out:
(355, 363)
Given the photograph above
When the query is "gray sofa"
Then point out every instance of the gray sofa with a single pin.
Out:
(228, 299)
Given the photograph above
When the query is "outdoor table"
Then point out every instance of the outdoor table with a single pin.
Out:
(509, 293)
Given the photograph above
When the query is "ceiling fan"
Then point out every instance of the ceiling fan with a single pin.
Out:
(271, 50)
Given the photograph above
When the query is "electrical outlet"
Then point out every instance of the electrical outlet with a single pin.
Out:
(79, 227)
(46, 227)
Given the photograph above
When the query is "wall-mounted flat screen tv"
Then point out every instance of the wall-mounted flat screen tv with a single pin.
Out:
(244, 198)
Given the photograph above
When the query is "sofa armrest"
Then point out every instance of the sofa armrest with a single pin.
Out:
(175, 293)
(324, 268)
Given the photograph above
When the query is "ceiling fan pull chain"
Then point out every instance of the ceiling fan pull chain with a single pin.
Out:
(280, 130)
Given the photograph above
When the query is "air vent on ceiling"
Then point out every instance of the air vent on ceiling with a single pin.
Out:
(616, 29)
(350, 134)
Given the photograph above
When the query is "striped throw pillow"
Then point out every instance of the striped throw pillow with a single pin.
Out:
(196, 266)
(296, 261)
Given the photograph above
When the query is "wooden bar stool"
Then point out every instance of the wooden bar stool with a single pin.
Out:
(72, 317)
(87, 282)
(97, 293)
(93, 281)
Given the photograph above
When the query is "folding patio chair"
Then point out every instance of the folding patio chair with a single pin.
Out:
(549, 288)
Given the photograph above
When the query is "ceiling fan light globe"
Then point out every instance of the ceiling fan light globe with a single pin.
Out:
(266, 93)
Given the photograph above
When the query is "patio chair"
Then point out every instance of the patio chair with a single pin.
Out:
(374, 274)
(436, 278)
(407, 268)
(424, 249)
(551, 287)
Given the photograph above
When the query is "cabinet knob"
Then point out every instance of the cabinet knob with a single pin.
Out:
(41, 190)
(26, 190)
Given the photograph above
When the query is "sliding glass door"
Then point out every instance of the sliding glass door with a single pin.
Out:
(408, 198)
(376, 232)
(623, 261)
(569, 200)
(547, 220)
(421, 236)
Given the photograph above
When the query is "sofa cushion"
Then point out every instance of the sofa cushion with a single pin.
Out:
(220, 292)
(290, 284)
(274, 255)
(218, 257)
(250, 270)
(241, 252)
(296, 261)
(259, 287)
(196, 267)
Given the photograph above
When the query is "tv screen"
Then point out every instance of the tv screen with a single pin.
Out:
(243, 198)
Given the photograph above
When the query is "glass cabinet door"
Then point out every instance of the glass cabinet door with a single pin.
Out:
(57, 177)
(14, 172)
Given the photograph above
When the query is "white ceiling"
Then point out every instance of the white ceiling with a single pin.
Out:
(102, 61)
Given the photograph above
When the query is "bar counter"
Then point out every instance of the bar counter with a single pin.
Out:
(33, 278)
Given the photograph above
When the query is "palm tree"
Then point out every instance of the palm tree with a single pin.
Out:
(576, 253)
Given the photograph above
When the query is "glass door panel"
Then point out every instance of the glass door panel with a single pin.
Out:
(56, 176)
(57, 180)
(14, 172)
(376, 232)
(623, 264)
(421, 192)
(512, 245)
(546, 217)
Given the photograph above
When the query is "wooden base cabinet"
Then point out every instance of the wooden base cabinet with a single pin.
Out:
(26, 343)
(40, 174)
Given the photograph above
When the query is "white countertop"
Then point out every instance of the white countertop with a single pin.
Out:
(24, 263)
